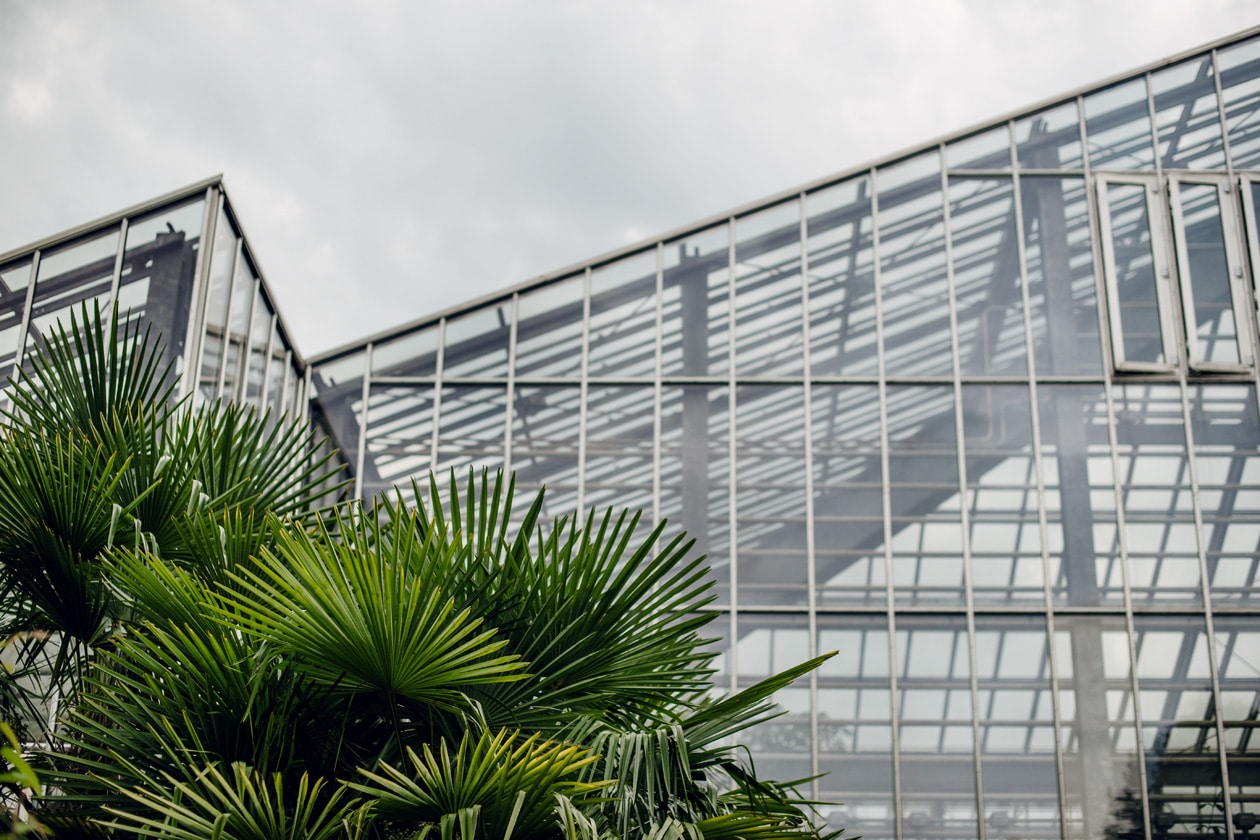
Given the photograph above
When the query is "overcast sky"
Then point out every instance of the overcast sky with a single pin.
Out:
(390, 159)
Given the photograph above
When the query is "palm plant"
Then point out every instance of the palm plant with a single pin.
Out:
(203, 652)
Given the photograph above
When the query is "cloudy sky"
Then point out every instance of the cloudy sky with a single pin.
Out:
(390, 159)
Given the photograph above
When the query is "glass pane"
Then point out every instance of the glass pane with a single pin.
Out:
(696, 321)
(987, 283)
(767, 645)
(158, 270)
(1159, 529)
(623, 317)
(768, 309)
(934, 719)
(854, 724)
(1062, 290)
(1186, 116)
(1212, 331)
(1118, 127)
(259, 341)
(69, 277)
(927, 552)
(848, 495)
(545, 446)
(1050, 139)
(1238, 658)
(1082, 538)
(1002, 495)
(218, 296)
(1227, 462)
(1016, 712)
(471, 427)
(771, 560)
(1137, 301)
(1240, 88)
(842, 281)
(411, 354)
(277, 363)
(14, 280)
(549, 330)
(1183, 770)
(477, 343)
(988, 150)
(1098, 735)
(399, 439)
(619, 460)
(696, 474)
(913, 281)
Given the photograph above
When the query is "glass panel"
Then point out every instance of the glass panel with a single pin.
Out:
(619, 438)
(1227, 460)
(696, 474)
(1159, 527)
(988, 150)
(913, 280)
(545, 446)
(927, 555)
(695, 313)
(1183, 769)
(399, 440)
(277, 363)
(1050, 139)
(934, 719)
(848, 495)
(1136, 302)
(1062, 290)
(259, 340)
(987, 278)
(1186, 117)
(339, 385)
(1205, 265)
(771, 559)
(767, 645)
(1002, 495)
(841, 281)
(218, 296)
(1016, 712)
(768, 328)
(1098, 735)
(1240, 88)
(1082, 539)
(623, 317)
(243, 294)
(471, 426)
(854, 724)
(14, 280)
(1238, 658)
(69, 277)
(411, 354)
(549, 330)
(477, 343)
(1118, 127)
(158, 270)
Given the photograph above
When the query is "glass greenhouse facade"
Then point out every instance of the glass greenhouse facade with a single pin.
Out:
(982, 417)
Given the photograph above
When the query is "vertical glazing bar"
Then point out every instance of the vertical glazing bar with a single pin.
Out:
(583, 391)
(247, 345)
(657, 388)
(511, 387)
(118, 261)
(284, 381)
(272, 336)
(732, 451)
(189, 381)
(437, 395)
(811, 573)
(20, 356)
(227, 319)
(363, 421)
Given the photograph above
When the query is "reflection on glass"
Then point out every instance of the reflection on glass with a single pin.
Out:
(768, 644)
(1016, 713)
(1227, 462)
(399, 439)
(545, 445)
(69, 277)
(927, 550)
(768, 302)
(1186, 117)
(411, 354)
(913, 280)
(259, 343)
(1205, 274)
(477, 343)
(848, 495)
(854, 724)
(623, 317)
(1159, 530)
(1002, 494)
(472, 422)
(218, 296)
(1050, 139)
(1062, 290)
(1082, 538)
(1098, 734)
(549, 330)
(987, 277)
(841, 280)
(1237, 645)
(244, 294)
(771, 559)
(1240, 89)
(1127, 244)
(619, 442)
(934, 727)
(695, 312)
(1183, 770)
(988, 150)
(1118, 127)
